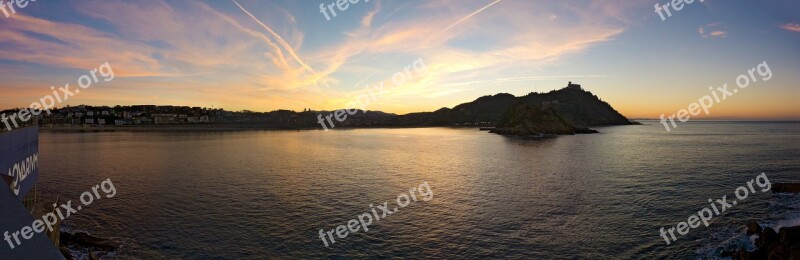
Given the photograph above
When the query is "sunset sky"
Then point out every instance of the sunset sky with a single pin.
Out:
(268, 55)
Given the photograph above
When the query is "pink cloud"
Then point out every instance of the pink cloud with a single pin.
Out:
(791, 27)
(713, 30)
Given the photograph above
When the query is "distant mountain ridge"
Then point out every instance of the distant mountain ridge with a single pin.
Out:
(575, 106)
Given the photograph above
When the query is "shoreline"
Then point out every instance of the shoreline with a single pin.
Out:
(770, 241)
(209, 128)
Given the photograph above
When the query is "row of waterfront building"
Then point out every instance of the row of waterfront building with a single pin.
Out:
(127, 115)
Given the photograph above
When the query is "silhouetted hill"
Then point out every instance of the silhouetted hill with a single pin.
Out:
(578, 107)
(575, 105)
(487, 109)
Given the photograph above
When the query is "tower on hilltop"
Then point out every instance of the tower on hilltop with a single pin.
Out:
(574, 86)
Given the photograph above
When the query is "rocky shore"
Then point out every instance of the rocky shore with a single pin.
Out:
(531, 120)
(83, 241)
(771, 245)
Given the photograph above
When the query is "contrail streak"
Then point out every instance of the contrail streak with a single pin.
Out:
(472, 14)
(279, 39)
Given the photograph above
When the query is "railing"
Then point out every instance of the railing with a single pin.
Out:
(39, 205)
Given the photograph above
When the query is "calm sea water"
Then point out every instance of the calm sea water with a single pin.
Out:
(266, 194)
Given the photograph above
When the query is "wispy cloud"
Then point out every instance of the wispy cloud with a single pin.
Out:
(791, 27)
(207, 53)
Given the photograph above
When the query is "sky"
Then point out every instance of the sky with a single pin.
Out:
(268, 55)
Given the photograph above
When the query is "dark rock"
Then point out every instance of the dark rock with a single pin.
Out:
(584, 130)
(530, 120)
(786, 187)
(82, 239)
(92, 256)
(65, 251)
(767, 237)
(771, 245)
(743, 255)
(788, 244)
(753, 228)
(789, 235)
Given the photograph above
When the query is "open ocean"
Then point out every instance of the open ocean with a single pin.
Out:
(266, 194)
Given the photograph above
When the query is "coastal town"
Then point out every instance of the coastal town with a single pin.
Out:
(86, 116)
